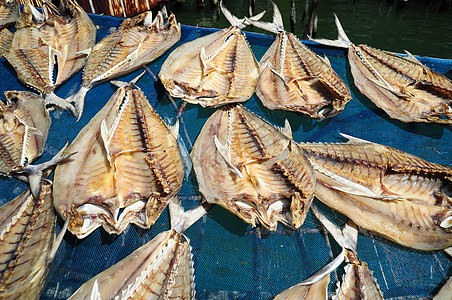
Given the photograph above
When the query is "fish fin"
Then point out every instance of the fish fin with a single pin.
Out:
(39, 17)
(204, 59)
(58, 239)
(330, 267)
(148, 19)
(174, 129)
(277, 72)
(286, 130)
(224, 152)
(412, 58)
(104, 133)
(326, 60)
(352, 139)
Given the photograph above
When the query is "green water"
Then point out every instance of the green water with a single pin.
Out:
(421, 27)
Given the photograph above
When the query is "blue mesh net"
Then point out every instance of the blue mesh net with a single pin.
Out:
(231, 260)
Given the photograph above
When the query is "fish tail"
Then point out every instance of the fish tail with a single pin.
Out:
(181, 220)
(52, 99)
(342, 39)
(78, 100)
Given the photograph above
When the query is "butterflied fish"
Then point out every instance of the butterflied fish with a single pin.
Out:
(357, 282)
(75, 33)
(252, 169)
(126, 169)
(24, 125)
(160, 269)
(137, 41)
(213, 70)
(43, 40)
(294, 78)
(397, 195)
(27, 243)
(9, 12)
(403, 87)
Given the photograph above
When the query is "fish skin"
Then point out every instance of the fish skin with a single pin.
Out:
(419, 93)
(9, 12)
(27, 231)
(126, 158)
(24, 126)
(160, 269)
(213, 70)
(135, 43)
(264, 177)
(367, 182)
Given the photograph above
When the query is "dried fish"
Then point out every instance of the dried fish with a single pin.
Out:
(397, 195)
(213, 70)
(403, 87)
(24, 125)
(161, 269)
(27, 233)
(9, 12)
(294, 78)
(126, 169)
(74, 34)
(43, 40)
(252, 169)
(357, 282)
(138, 41)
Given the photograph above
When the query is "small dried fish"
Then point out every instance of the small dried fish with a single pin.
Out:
(9, 12)
(382, 189)
(161, 269)
(403, 87)
(213, 70)
(294, 78)
(27, 243)
(43, 40)
(357, 282)
(127, 168)
(252, 169)
(138, 41)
